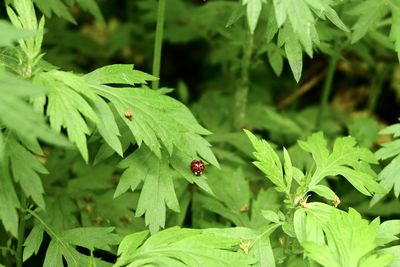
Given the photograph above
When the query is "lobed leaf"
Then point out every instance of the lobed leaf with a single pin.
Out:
(346, 159)
(181, 247)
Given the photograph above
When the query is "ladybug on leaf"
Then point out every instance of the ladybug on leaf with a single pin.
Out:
(197, 167)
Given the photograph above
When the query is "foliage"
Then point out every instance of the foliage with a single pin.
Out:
(95, 165)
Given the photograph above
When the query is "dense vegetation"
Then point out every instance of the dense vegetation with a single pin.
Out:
(105, 104)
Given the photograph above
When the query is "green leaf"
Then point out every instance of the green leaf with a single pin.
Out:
(26, 122)
(181, 247)
(56, 7)
(271, 216)
(8, 202)
(320, 254)
(346, 159)
(268, 161)
(62, 244)
(293, 51)
(387, 232)
(107, 125)
(280, 12)
(157, 191)
(349, 239)
(118, 74)
(369, 13)
(307, 228)
(324, 192)
(25, 168)
(365, 130)
(253, 13)
(92, 7)
(392, 251)
(275, 59)
(181, 162)
(303, 25)
(32, 242)
(395, 30)
(158, 120)
(91, 237)
(67, 105)
(253, 243)
(389, 176)
(322, 9)
(131, 242)
(10, 34)
(375, 260)
(227, 202)
(237, 13)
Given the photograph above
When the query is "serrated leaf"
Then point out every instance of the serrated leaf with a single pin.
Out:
(91, 237)
(26, 122)
(158, 120)
(8, 202)
(320, 254)
(346, 159)
(118, 74)
(389, 178)
(232, 195)
(25, 168)
(268, 161)
(182, 247)
(157, 191)
(254, 243)
(92, 7)
(56, 7)
(302, 22)
(387, 232)
(32, 242)
(67, 105)
(370, 12)
(181, 163)
(322, 9)
(349, 238)
(62, 244)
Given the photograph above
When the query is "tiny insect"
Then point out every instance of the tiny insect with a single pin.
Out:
(197, 167)
(128, 115)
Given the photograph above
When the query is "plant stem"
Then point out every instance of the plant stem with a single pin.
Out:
(158, 42)
(243, 84)
(21, 230)
(327, 88)
(377, 86)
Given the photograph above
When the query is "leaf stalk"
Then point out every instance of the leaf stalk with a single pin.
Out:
(158, 42)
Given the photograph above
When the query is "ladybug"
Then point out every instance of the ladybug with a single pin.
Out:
(197, 167)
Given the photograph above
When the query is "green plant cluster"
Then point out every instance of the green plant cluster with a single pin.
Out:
(95, 162)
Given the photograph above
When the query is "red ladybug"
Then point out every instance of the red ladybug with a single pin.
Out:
(197, 167)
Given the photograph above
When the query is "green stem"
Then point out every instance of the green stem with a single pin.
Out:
(158, 42)
(377, 86)
(243, 84)
(21, 231)
(327, 88)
